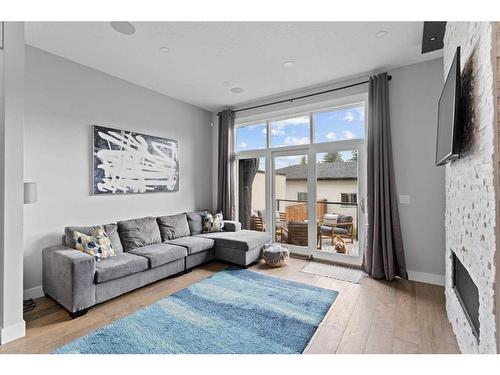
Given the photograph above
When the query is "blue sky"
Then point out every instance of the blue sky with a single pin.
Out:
(337, 125)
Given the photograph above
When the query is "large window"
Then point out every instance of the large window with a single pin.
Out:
(338, 124)
(308, 196)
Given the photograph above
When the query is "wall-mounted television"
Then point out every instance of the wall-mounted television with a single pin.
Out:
(449, 115)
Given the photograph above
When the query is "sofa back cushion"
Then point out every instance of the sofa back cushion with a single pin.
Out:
(173, 226)
(140, 232)
(111, 231)
(195, 222)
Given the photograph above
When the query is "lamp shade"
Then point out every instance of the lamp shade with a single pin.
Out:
(30, 192)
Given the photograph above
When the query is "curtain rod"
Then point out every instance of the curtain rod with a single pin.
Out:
(302, 96)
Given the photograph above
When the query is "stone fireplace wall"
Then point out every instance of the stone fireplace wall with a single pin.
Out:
(470, 216)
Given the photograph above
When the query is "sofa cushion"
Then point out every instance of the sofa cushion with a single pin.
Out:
(160, 253)
(194, 244)
(327, 229)
(174, 226)
(195, 221)
(136, 233)
(344, 219)
(244, 240)
(111, 231)
(119, 266)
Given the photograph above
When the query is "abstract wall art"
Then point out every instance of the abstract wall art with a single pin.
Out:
(127, 162)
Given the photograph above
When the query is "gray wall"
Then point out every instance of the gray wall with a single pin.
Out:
(12, 324)
(414, 95)
(63, 100)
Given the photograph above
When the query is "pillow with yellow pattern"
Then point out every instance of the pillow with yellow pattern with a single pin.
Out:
(98, 245)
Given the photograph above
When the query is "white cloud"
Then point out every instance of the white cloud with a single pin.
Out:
(286, 161)
(292, 141)
(331, 136)
(348, 134)
(349, 117)
(293, 121)
(277, 129)
(243, 145)
(361, 113)
(252, 127)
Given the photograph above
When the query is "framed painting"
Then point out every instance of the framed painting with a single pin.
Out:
(127, 162)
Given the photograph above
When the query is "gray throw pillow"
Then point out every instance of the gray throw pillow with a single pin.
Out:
(137, 233)
(213, 223)
(195, 222)
(173, 226)
(111, 231)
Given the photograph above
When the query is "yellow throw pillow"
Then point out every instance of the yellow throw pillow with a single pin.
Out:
(98, 245)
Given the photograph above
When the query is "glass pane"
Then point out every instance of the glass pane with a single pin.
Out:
(290, 187)
(340, 125)
(252, 193)
(251, 137)
(336, 206)
(290, 132)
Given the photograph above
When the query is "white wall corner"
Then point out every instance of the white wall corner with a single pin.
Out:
(34, 293)
(429, 278)
(12, 332)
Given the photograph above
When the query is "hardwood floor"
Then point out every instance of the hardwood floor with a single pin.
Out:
(371, 317)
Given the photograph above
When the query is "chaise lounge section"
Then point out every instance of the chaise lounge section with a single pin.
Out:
(147, 250)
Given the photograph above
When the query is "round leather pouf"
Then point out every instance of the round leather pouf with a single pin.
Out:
(276, 255)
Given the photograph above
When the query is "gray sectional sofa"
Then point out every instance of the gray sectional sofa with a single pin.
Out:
(148, 249)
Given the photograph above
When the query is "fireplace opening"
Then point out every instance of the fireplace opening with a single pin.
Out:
(467, 293)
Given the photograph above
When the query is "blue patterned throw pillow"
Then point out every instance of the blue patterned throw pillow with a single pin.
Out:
(98, 245)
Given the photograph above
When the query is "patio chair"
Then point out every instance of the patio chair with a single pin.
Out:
(341, 225)
(296, 234)
(257, 224)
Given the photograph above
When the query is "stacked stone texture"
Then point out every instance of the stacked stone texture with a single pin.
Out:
(470, 193)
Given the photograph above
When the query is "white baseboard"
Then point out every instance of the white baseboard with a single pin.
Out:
(34, 293)
(12, 332)
(429, 278)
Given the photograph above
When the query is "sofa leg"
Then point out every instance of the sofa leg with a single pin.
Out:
(187, 270)
(78, 314)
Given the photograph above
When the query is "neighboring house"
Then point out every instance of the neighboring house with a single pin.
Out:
(336, 182)
(259, 189)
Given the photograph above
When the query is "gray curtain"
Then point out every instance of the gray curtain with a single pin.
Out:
(384, 254)
(226, 174)
(247, 171)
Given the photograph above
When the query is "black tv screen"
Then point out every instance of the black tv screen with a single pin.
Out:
(449, 119)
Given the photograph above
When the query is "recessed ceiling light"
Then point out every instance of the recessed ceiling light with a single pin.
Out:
(432, 38)
(226, 83)
(288, 64)
(236, 90)
(381, 33)
(123, 27)
(164, 49)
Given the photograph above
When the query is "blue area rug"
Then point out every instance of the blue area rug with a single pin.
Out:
(233, 311)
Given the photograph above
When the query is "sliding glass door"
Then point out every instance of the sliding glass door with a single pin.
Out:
(339, 191)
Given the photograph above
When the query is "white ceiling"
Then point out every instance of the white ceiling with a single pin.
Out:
(205, 56)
